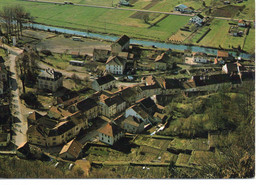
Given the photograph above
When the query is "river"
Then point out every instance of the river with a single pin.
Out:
(179, 47)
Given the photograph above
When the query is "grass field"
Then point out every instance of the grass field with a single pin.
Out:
(250, 41)
(216, 38)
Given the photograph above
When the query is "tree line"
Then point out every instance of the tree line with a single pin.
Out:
(12, 18)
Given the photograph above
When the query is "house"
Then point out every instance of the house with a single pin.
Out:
(88, 107)
(197, 19)
(162, 62)
(200, 58)
(50, 132)
(50, 79)
(169, 86)
(121, 44)
(110, 133)
(57, 113)
(131, 94)
(68, 98)
(242, 23)
(231, 68)
(100, 55)
(183, 9)
(115, 65)
(104, 82)
(223, 57)
(148, 105)
(3, 72)
(138, 112)
(112, 105)
(133, 125)
(29, 151)
(71, 150)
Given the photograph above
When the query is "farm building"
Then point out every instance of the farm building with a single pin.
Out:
(197, 19)
(121, 44)
(184, 9)
(200, 58)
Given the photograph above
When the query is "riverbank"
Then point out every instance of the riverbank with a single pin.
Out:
(163, 45)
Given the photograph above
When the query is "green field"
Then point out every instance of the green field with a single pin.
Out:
(96, 19)
(216, 38)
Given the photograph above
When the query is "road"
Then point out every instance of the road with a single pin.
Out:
(128, 9)
(19, 126)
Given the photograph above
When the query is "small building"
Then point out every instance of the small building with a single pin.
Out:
(162, 62)
(104, 82)
(133, 125)
(100, 55)
(121, 44)
(115, 65)
(183, 9)
(197, 19)
(201, 58)
(77, 63)
(110, 133)
(242, 23)
(148, 105)
(71, 150)
(50, 79)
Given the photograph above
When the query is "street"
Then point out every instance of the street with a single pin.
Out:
(19, 126)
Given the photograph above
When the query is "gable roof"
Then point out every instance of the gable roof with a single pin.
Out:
(138, 109)
(105, 79)
(113, 100)
(34, 116)
(57, 113)
(86, 104)
(131, 120)
(232, 67)
(116, 59)
(51, 74)
(123, 40)
(147, 102)
(181, 6)
(110, 129)
(73, 148)
(162, 58)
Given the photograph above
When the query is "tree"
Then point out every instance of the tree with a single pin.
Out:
(146, 18)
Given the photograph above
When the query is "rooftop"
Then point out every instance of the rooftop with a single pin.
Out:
(73, 148)
(110, 129)
(51, 74)
(105, 79)
(123, 40)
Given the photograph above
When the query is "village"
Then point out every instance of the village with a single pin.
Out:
(126, 106)
(114, 108)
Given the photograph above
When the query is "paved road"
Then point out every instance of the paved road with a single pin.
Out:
(20, 126)
(135, 10)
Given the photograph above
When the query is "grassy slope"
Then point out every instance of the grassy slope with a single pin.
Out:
(250, 42)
